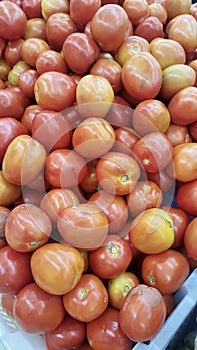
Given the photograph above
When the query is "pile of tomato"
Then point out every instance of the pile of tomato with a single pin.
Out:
(98, 179)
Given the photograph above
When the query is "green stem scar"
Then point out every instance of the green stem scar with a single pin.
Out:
(83, 293)
(124, 178)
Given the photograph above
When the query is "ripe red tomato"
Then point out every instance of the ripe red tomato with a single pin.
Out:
(31, 48)
(45, 315)
(26, 82)
(15, 272)
(178, 134)
(29, 115)
(193, 130)
(136, 10)
(179, 104)
(56, 267)
(190, 239)
(152, 231)
(130, 46)
(119, 287)
(32, 8)
(83, 226)
(88, 300)
(186, 197)
(150, 28)
(120, 113)
(165, 271)
(185, 162)
(142, 76)
(27, 228)
(4, 212)
(70, 333)
(90, 183)
(51, 60)
(117, 173)
(82, 12)
(12, 21)
(143, 313)
(111, 259)
(126, 138)
(10, 104)
(105, 332)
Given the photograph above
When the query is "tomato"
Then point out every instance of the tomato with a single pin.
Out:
(119, 287)
(12, 21)
(2, 46)
(126, 138)
(117, 173)
(51, 60)
(4, 212)
(56, 200)
(50, 7)
(9, 192)
(175, 78)
(35, 29)
(26, 82)
(7, 304)
(109, 26)
(165, 271)
(27, 227)
(15, 272)
(163, 180)
(111, 70)
(114, 208)
(31, 48)
(4, 69)
(184, 161)
(142, 314)
(46, 315)
(51, 129)
(93, 137)
(186, 197)
(149, 116)
(190, 239)
(111, 259)
(32, 8)
(83, 226)
(169, 303)
(130, 46)
(178, 134)
(179, 104)
(56, 267)
(180, 221)
(90, 183)
(15, 72)
(183, 29)
(120, 113)
(193, 64)
(69, 334)
(27, 156)
(82, 12)
(150, 28)
(152, 231)
(55, 91)
(158, 10)
(58, 27)
(153, 151)
(142, 76)
(145, 195)
(29, 115)
(105, 332)
(10, 104)
(94, 96)
(193, 130)
(175, 8)
(136, 10)
(80, 52)
(88, 300)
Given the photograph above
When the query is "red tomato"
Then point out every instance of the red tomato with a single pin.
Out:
(153, 151)
(111, 259)
(178, 134)
(152, 231)
(26, 156)
(193, 130)
(158, 10)
(69, 334)
(169, 303)
(150, 28)
(120, 113)
(190, 239)
(9, 192)
(179, 104)
(53, 6)
(56, 267)
(114, 208)
(31, 48)
(186, 197)
(130, 46)
(83, 226)
(137, 10)
(27, 228)
(32, 8)
(142, 314)
(90, 183)
(28, 116)
(185, 162)
(119, 287)
(12, 51)
(117, 173)
(10, 104)
(26, 82)
(12, 21)
(88, 300)
(142, 76)
(105, 332)
(4, 212)
(163, 180)
(35, 29)
(51, 60)
(45, 315)
(82, 12)
(126, 138)
(165, 271)
(15, 270)
(7, 303)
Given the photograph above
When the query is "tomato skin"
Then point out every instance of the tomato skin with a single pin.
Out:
(111, 259)
(143, 313)
(152, 231)
(10, 105)
(35, 29)
(47, 313)
(13, 21)
(142, 76)
(83, 226)
(179, 104)
(136, 10)
(15, 270)
(7, 303)
(81, 13)
(90, 183)
(27, 228)
(105, 332)
(178, 134)
(170, 304)
(117, 173)
(184, 161)
(119, 287)
(69, 334)
(26, 82)
(186, 197)
(88, 300)
(190, 239)
(120, 113)
(158, 10)
(27, 156)
(126, 138)
(4, 212)
(193, 130)
(66, 270)
(9, 192)
(32, 8)
(175, 8)
(165, 271)
(150, 28)
(28, 116)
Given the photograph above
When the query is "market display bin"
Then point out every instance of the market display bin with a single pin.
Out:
(179, 323)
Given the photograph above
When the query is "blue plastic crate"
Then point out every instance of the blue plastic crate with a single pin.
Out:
(178, 324)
